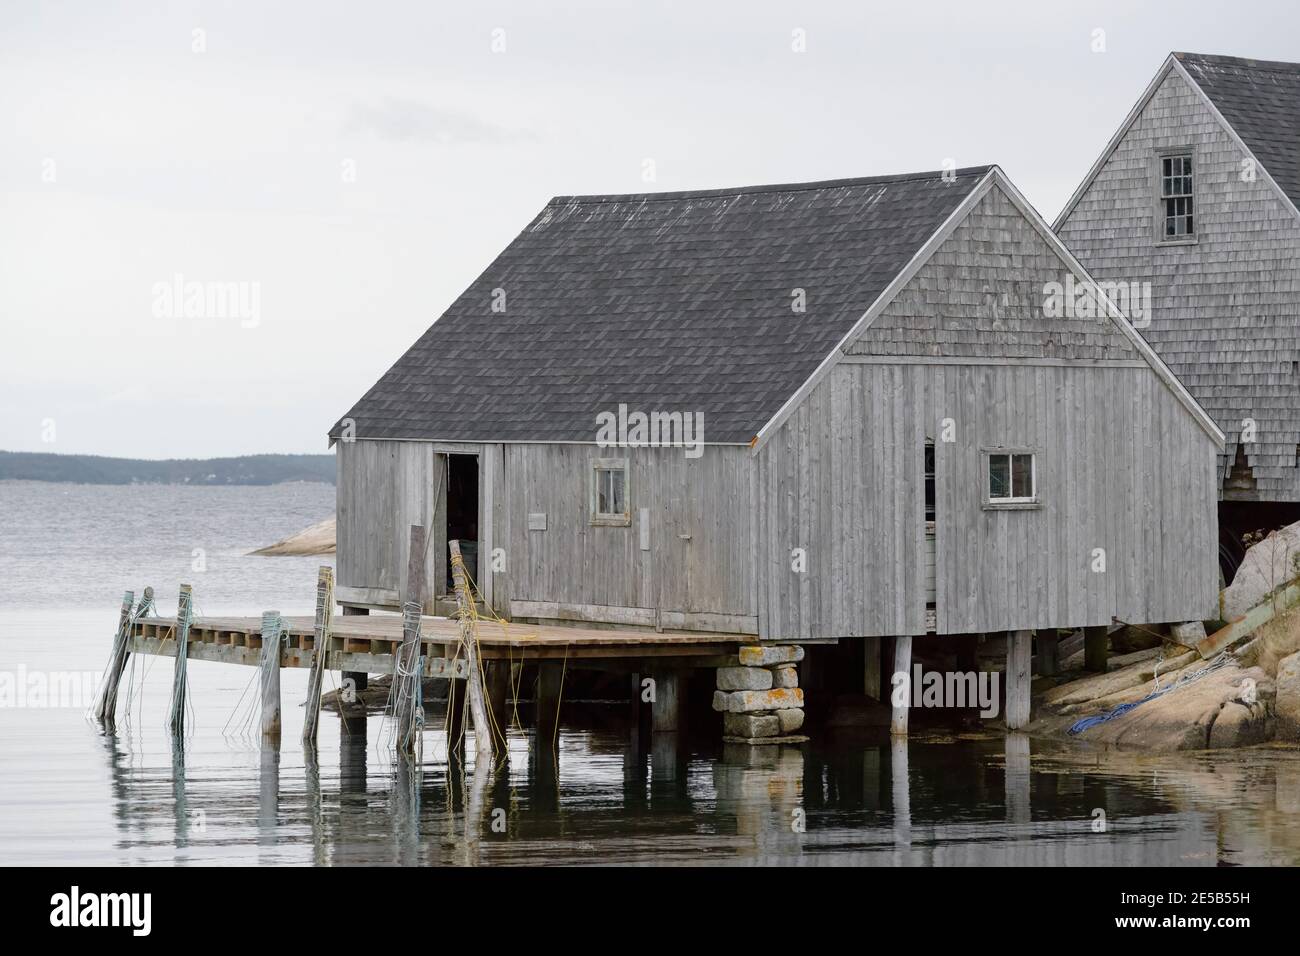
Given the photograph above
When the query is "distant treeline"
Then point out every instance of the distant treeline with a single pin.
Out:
(94, 470)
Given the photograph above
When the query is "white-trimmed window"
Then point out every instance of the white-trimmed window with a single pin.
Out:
(1176, 214)
(1011, 477)
(609, 492)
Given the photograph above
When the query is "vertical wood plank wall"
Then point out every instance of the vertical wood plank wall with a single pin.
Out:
(1121, 467)
(700, 528)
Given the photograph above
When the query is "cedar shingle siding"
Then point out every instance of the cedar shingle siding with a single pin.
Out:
(1226, 308)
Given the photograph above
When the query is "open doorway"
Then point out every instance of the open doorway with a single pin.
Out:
(462, 512)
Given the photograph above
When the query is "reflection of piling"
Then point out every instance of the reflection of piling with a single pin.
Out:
(180, 806)
(352, 754)
(268, 796)
(900, 788)
(1017, 778)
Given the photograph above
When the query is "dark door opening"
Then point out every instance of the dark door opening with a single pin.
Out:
(462, 512)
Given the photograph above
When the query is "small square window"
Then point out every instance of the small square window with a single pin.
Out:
(1176, 196)
(1011, 478)
(609, 492)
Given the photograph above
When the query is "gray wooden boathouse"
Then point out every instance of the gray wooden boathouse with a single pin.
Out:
(1198, 194)
(900, 437)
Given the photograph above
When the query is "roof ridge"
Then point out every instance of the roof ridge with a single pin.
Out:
(964, 172)
(1277, 66)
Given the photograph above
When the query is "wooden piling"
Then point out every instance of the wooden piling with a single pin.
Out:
(902, 665)
(498, 693)
(360, 679)
(483, 735)
(106, 706)
(1019, 650)
(407, 672)
(270, 666)
(871, 652)
(1096, 645)
(1049, 652)
(666, 710)
(550, 680)
(184, 606)
(319, 652)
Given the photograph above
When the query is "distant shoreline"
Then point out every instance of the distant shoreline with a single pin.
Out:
(209, 472)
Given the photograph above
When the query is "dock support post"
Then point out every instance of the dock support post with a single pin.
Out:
(968, 652)
(903, 666)
(408, 669)
(1019, 648)
(498, 694)
(550, 680)
(319, 651)
(666, 710)
(270, 664)
(106, 706)
(360, 679)
(483, 735)
(176, 724)
(1049, 652)
(1096, 644)
(871, 667)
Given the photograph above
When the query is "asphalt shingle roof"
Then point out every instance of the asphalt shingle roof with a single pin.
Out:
(1260, 99)
(663, 301)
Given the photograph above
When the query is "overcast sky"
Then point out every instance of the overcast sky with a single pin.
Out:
(356, 165)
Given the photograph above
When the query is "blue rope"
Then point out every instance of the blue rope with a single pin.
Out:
(1087, 723)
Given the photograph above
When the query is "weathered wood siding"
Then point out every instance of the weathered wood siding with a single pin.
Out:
(1122, 465)
(383, 488)
(699, 559)
(1226, 310)
(695, 571)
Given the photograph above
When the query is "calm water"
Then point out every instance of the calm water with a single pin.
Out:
(70, 795)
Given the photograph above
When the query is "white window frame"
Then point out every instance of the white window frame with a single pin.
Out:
(617, 520)
(1188, 238)
(1009, 503)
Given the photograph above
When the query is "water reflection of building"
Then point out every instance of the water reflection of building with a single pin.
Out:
(592, 798)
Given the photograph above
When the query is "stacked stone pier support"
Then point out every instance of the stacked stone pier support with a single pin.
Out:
(759, 697)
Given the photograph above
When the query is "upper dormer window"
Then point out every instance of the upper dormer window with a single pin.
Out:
(1176, 196)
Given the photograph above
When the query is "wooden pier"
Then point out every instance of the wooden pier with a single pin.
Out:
(368, 643)
(484, 652)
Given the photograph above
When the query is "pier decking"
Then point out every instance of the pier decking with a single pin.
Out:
(368, 643)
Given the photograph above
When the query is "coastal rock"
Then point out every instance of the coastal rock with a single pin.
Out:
(1288, 699)
(1268, 565)
(1231, 706)
(318, 539)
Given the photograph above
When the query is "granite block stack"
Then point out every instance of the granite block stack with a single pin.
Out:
(759, 698)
